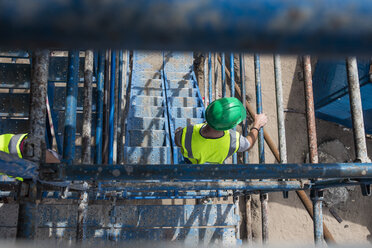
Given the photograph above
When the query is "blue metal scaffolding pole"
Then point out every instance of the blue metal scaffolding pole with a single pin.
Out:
(223, 75)
(261, 149)
(232, 77)
(120, 110)
(100, 94)
(280, 113)
(112, 107)
(208, 172)
(71, 103)
(242, 79)
(210, 77)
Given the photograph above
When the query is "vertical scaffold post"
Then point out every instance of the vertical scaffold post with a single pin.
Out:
(223, 75)
(205, 80)
(280, 113)
(87, 111)
(210, 77)
(261, 149)
(120, 111)
(316, 195)
(242, 79)
(86, 140)
(232, 77)
(215, 76)
(35, 143)
(71, 103)
(112, 107)
(280, 110)
(99, 126)
(106, 109)
(357, 111)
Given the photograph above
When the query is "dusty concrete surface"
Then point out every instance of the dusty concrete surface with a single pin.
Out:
(288, 220)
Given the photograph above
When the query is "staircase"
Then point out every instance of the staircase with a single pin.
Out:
(147, 134)
(185, 105)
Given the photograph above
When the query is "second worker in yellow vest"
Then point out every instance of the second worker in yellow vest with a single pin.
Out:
(213, 142)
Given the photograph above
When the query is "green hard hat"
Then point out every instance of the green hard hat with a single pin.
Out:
(225, 113)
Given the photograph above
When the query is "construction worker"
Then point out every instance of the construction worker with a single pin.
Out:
(213, 142)
(13, 144)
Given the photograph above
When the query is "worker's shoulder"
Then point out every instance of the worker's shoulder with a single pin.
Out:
(195, 125)
(232, 131)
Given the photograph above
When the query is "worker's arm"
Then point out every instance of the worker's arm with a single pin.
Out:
(260, 121)
(178, 136)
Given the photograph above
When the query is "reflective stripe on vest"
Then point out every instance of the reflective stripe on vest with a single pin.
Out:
(11, 143)
(200, 150)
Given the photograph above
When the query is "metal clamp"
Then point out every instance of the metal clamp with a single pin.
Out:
(366, 189)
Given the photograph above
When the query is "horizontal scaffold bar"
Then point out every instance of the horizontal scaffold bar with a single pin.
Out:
(62, 172)
(301, 26)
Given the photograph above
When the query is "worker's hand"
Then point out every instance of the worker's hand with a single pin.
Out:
(178, 129)
(260, 120)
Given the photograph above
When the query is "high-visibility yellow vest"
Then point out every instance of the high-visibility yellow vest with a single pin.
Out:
(200, 150)
(11, 144)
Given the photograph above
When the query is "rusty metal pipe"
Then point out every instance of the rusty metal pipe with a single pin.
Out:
(313, 148)
(310, 111)
(87, 111)
(35, 143)
(86, 140)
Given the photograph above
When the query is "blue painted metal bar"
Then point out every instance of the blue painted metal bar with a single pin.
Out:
(167, 115)
(198, 92)
(280, 113)
(120, 110)
(210, 78)
(223, 75)
(112, 107)
(201, 172)
(261, 149)
(100, 85)
(170, 119)
(179, 190)
(71, 103)
(194, 186)
(269, 25)
(242, 79)
(317, 198)
(232, 77)
(205, 80)
(95, 65)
